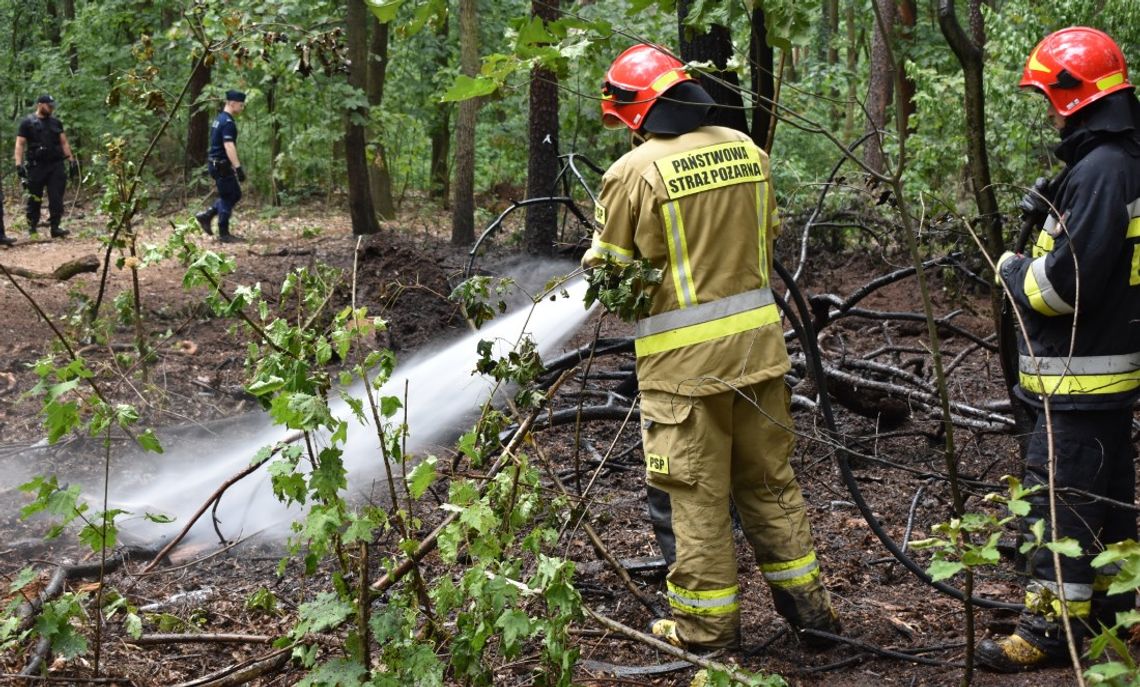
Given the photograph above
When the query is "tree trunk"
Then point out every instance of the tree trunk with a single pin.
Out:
(880, 91)
(441, 130)
(360, 206)
(198, 127)
(380, 176)
(714, 46)
(67, 9)
(970, 56)
(541, 230)
(908, 14)
(852, 62)
(274, 141)
(52, 25)
(763, 81)
(832, 16)
(463, 202)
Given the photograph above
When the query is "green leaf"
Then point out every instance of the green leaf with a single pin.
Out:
(149, 442)
(1066, 547)
(422, 476)
(466, 88)
(535, 33)
(943, 570)
(339, 672)
(160, 518)
(515, 625)
(384, 10)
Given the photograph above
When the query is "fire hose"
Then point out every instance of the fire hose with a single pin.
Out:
(805, 332)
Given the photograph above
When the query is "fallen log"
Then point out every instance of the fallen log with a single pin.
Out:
(88, 263)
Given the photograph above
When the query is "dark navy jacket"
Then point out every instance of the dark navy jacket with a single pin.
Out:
(1079, 292)
(223, 130)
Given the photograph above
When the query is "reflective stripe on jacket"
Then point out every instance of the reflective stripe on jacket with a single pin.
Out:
(701, 208)
(1079, 291)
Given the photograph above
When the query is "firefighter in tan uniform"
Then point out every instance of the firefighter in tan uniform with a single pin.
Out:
(697, 202)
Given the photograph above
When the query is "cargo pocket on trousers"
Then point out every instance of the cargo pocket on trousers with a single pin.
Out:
(668, 440)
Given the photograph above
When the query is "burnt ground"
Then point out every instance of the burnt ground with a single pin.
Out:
(404, 275)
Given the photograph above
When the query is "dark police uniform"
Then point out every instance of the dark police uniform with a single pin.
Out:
(223, 130)
(46, 172)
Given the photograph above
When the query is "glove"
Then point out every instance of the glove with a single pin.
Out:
(240, 174)
(22, 171)
(1006, 256)
(73, 169)
(1035, 204)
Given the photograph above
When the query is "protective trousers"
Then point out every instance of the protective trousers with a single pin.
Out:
(229, 193)
(52, 179)
(1093, 453)
(704, 450)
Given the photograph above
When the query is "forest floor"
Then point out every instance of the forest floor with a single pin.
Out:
(404, 275)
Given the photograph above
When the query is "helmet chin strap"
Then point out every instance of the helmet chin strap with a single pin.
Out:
(636, 138)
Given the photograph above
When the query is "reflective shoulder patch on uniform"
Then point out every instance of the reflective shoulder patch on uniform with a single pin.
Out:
(710, 167)
(600, 213)
(655, 462)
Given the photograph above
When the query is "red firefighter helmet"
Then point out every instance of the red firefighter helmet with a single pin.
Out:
(1074, 67)
(634, 82)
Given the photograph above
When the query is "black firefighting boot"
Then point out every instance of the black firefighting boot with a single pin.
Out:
(808, 607)
(58, 233)
(229, 238)
(4, 239)
(206, 219)
(1039, 639)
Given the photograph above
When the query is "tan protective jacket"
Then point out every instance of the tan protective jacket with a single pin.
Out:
(700, 207)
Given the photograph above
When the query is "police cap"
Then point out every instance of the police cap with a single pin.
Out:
(236, 96)
(46, 99)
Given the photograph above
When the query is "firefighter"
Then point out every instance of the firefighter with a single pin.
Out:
(1080, 351)
(225, 168)
(697, 202)
(41, 149)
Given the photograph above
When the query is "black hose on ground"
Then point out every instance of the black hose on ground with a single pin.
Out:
(806, 334)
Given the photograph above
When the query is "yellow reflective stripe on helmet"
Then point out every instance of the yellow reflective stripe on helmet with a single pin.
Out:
(1040, 292)
(1110, 81)
(706, 331)
(704, 602)
(665, 80)
(679, 255)
(1036, 65)
(791, 573)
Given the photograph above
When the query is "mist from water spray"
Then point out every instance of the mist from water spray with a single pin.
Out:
(443, 396)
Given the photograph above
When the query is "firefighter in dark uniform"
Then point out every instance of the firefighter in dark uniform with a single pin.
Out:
(698, 203)
(1078, 295)
(41, 150)
(225, 168)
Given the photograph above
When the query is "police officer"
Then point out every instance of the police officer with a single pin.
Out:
(697, 202)
(1078, 295)
(225, 168)
(41, 149)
